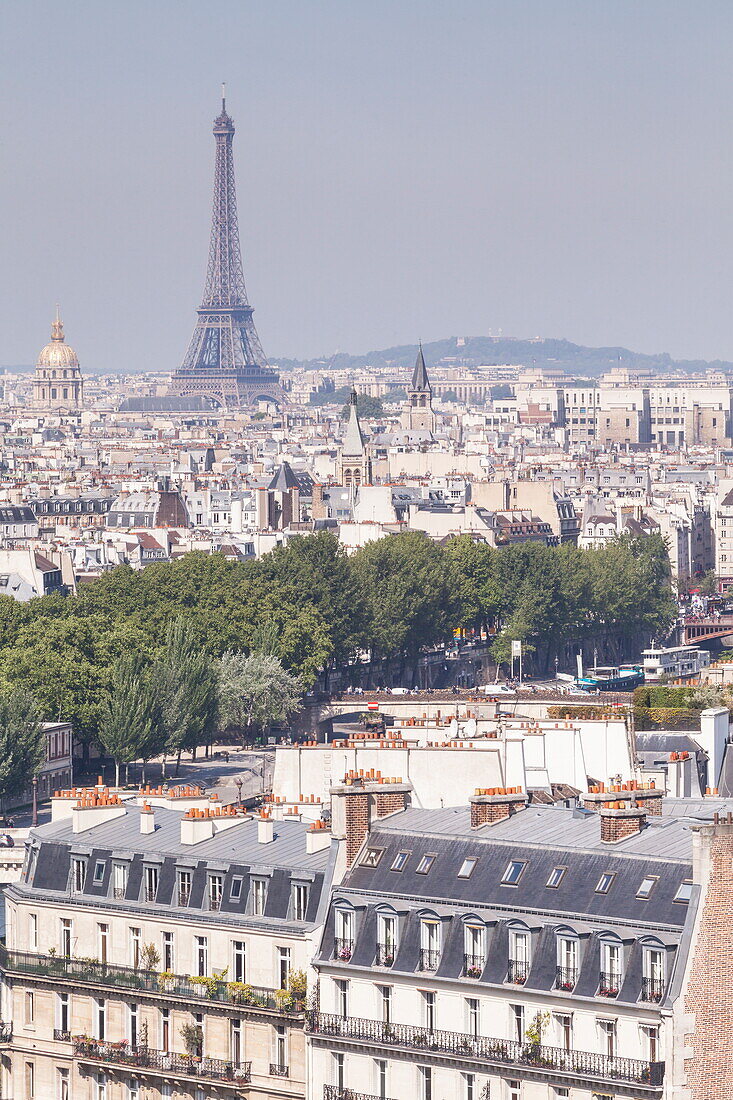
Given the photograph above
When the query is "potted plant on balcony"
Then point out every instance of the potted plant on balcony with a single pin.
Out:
(283, 999)
(150, 957)
(473, 971)
(298, 986)
(239, 993)
(166, 980)
(193, 1040)
(533, 1047)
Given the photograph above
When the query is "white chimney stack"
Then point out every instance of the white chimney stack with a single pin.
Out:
(265, 829)
(147, 819)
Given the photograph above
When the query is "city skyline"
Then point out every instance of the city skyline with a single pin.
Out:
(373, 205)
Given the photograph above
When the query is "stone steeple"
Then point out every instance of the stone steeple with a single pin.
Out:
(355, 464)
(418, 415)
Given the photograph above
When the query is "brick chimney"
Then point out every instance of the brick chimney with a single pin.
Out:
(647, 795)
(362, 798)
(704, 1066)
(493, 804)
(619, 820)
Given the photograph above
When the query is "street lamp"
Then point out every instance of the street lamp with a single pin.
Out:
(557, 662)
(35, 800)
(238, 785)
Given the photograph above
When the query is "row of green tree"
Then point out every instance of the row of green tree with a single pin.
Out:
(312, 607)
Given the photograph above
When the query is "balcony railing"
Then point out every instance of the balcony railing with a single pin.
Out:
(429, 958)
(566, 978)
(518, 972)
(179, 986)
(61, 1036)
(652, 989)
(385, 954)
(609, 984)
(215, 903)
(502, 1052)
(473, 966)
(333, 1092)
(276, 1070)
(161, 1061)
(343, 949)
(118, 893)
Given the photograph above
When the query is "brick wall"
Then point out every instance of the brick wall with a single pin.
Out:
(709, 992)
(388, 803)
(618, 824)
(357, 823)
(485, 811)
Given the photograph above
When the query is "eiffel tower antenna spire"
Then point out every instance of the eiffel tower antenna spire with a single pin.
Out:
(225, 360)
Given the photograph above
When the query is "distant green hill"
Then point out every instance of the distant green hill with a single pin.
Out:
(474, 350)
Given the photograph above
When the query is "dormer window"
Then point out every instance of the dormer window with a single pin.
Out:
(299, 901)
(99, 868)
(78, 872)
(151, 883)
(216, 889)
(513, 872)
(344, 940)
(184, 888)
(235, 891)
(259, 896)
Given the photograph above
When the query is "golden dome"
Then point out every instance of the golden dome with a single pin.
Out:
(57, 353)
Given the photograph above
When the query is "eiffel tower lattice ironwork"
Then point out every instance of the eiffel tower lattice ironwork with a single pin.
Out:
(225, 360)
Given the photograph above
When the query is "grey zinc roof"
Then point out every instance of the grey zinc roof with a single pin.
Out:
(237, 844)
(554, 826)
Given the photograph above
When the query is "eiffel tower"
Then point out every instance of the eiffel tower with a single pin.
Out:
(225, 360)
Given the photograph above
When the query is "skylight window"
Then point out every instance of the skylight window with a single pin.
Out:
(513, 872)
(604, 882)
(466, 869)
(400, 861)
(557, 874)
(99, 867)
(235, 891)
(646, 887)
(372, 857)
(684, 892)
(425, 864)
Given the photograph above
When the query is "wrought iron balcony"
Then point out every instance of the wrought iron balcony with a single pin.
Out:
(518, 971)
(61, 1036)
(473, 965)
(118, 893)
(609, 984)
(343, 949)
(161, 1061)
(385, 954)
(333, 1092)
(429, 959)
(215, 903)
(179, 986)
(596, 1068)
(652, 989)
(566, 978)
(277, 1070)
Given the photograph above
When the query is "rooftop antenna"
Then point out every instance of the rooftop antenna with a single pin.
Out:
(223, 96)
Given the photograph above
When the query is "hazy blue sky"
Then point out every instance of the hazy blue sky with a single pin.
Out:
(405, 169)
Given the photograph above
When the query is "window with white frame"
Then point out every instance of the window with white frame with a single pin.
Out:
(430, 944)
(385, 1003)
(344, 934)
(650, 1042)
(78, 871)
(472, 1016)
(517, 1022)
(514, 1090)
(428, 1008)
(608, 1030)
(239, 961)
(280, 1048)
(283, 966)
(519, 955)
(610, 982)
(653, 973)
(469, 1086)
(202, 956)
(216, 889)
(119, 880)
(100, 1091)
(32, 931)
(564, 1030)
(183, 888)
(152, 874)
(103, 942)
(235, 1040)
(63, 1014)
(30, 1008)
(567, 962)
(62, 1084)
(338, 1070)
(386, 939)
(259, 896)
(132, 1022)
(341, 992)
(474, 938)
(380, 1078)
(169, 954)
(425, 1082)
(100, 1019)
(299, 900)
(66, 937)
(136, 946)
